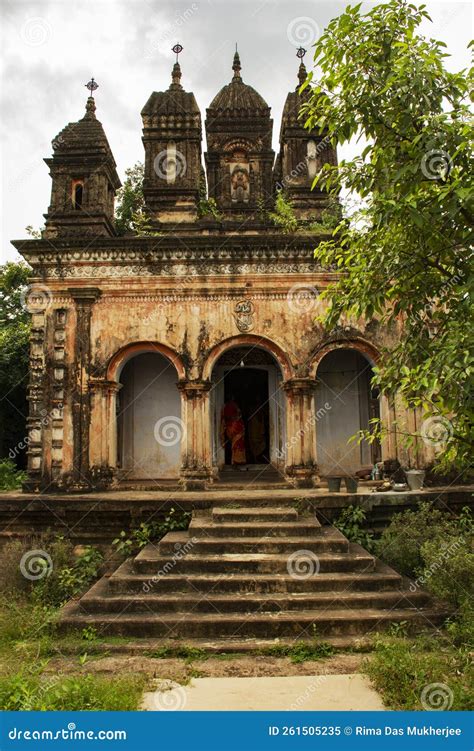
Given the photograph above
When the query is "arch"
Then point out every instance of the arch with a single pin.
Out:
(120, 358)
(247, 340)
(357, 343)
(346, 402)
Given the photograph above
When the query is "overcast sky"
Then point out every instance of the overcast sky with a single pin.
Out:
(51, 49)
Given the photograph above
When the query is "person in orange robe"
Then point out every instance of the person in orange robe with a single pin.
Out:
(233, 430)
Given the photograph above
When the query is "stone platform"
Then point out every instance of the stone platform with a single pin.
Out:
(97, 518)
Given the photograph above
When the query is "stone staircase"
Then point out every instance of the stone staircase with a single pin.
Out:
(242, 574)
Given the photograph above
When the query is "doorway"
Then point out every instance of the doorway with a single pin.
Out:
(253, 377)
(248, 388)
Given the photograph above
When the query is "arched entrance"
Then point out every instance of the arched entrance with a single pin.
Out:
(246, 395)
(149, 425)
(344, 404)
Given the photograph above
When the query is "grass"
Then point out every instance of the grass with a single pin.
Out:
(402, 667)
(28, 637)
(301, 652)
(188, 654)
(28, 690)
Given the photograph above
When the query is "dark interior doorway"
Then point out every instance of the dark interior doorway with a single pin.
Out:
(248, 387)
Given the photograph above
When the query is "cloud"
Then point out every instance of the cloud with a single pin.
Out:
(51, 48)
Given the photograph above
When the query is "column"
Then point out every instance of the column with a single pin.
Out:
(300, 447)
(196, 470)
(84, 298)
(103, 431)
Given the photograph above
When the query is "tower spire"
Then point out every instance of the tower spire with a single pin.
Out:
(176, 72)
(236, 67)
(92, 85)
(302, 73)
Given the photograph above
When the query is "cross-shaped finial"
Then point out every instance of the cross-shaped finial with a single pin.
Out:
(300, 52)
(92, 86)
(177, 49)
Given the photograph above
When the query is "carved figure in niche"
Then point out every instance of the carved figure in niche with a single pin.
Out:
(311, 154)
(240, 184)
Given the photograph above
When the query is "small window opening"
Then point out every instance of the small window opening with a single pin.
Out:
(77, 194)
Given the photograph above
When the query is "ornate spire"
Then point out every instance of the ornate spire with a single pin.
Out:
(302, 73)
(176, 72)
(236, 67)
(176, 77)
(90, 109)
(92, 85)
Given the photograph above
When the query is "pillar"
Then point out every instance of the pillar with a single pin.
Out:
(84, 299)
(103, 431)
(196, 470)
(300, 447)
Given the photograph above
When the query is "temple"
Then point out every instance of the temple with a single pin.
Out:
(193, 351)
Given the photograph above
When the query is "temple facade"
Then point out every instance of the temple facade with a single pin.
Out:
(195, 349)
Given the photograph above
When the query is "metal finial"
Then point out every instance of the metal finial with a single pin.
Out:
(300, 52)
(177, 49)
(92, 85)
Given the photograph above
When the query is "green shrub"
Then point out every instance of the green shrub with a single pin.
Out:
(401, 542)
(69, 577)
(12, 580)
(461, 627)
(131, 543)
(284, 216)
(401, 668)
(448, 569)
(350, 522)
(208, 207)
(10, 477)
(22, 620)
(65, 575)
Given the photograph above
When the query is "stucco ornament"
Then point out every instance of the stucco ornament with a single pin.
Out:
(243, 315)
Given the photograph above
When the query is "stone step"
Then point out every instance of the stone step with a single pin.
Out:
(125, 580)
(254, 513)
(152, 561)
(330, 540)
(202, 526)
(99, 600)
(337, 622)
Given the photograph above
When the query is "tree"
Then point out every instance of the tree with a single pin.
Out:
(14, 357)
(406, 253)
(129, 211)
